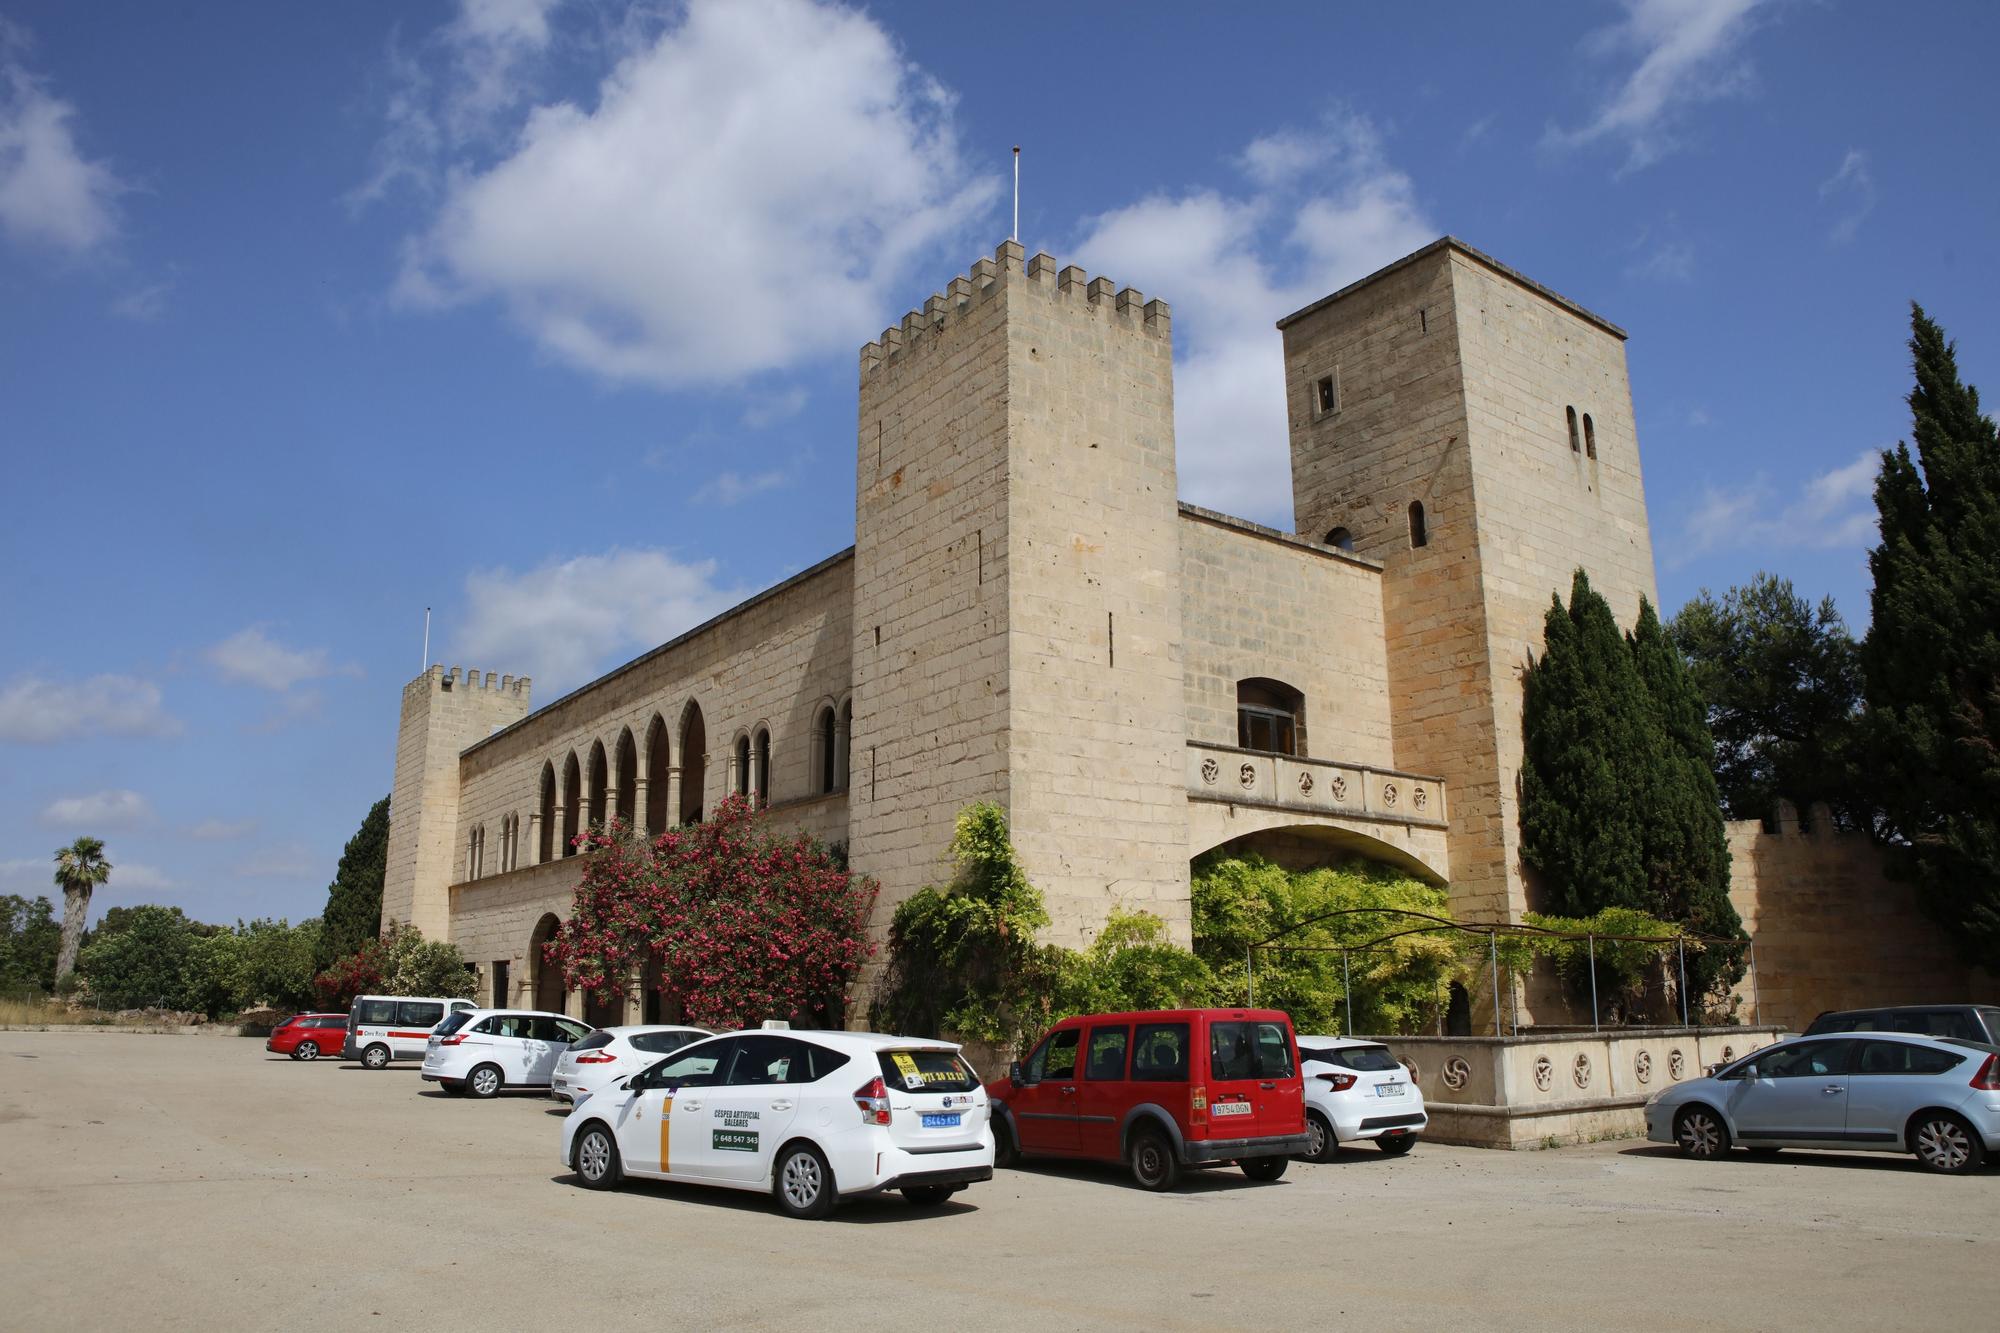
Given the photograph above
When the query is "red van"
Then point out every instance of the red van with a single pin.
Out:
(1158, 1091)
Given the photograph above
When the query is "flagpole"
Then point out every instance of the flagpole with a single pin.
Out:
(425, 665)
(1017, 192)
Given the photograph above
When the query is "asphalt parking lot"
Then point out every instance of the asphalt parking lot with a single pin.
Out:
(178, 1181)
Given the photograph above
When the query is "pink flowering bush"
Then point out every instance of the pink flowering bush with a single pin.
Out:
(743, 924)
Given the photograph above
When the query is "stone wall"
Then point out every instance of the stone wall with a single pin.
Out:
(1832, 931)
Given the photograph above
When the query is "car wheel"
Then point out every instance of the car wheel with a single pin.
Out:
(1324, 1144)
(928, 1196)
(308, 1050)
(376, 1057)
(1396, 1144)
(1265, 1168)
(485, 1081)
(803, 1183)
(1152, 1161)
(597, 1157)
(1946, 1144)
(1006, 1152)
(1701, 1133)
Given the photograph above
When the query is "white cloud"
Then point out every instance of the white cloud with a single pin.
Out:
(252, 657)
(1834, 509)
(221, 830)
(34, 711)
(134, 876)
(1324, 208)
(770, 409)
(99, 809)
(1669, 261)
(50, 193)
(569, 620)
(733, 488)
(144, 305)
(1852, 188)
(27, 875)
(745, 190)
(1688, 53)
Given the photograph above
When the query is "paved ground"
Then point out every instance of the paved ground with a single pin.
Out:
(178, 1182)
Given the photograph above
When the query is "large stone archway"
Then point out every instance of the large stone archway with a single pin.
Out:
(546, 990)
(1301, 844)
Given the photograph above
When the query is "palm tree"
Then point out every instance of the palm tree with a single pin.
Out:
(80, 868)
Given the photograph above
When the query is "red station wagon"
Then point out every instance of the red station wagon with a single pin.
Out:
(308, 1036)
(1158, 1091)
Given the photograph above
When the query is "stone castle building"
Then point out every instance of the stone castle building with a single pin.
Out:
(1028, 615)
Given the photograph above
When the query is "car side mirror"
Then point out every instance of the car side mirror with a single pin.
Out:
(1015, 1076)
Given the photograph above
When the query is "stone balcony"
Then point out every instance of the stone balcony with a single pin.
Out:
(1396, 816)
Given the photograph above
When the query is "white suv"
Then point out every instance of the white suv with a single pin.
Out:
(482, 1051)
(609, 1054)
(809, 1116)
(1356, 1089)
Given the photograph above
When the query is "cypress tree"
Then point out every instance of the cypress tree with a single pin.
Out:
(353, 914)
(1585, 757)
(1931, 660)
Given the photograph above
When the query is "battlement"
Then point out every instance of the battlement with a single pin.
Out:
(440, 681)
(920, 328)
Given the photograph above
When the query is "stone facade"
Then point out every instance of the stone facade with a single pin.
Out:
(1029, 616)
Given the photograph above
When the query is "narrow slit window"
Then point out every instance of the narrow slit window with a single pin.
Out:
(1574, 445)
(1589, 436)
(1327, 394)
(1419, 533)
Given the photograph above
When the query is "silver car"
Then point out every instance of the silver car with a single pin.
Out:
(1936, 1097)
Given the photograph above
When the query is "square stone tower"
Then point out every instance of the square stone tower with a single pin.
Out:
(1473, 431)
(443, 712)
(1016, 599)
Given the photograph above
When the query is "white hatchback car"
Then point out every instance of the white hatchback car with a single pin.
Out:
(811, 1117)
(482, 1051)
(1356, 1089)
(609, 1054)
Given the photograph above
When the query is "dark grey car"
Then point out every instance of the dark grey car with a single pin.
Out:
(1967, 1022)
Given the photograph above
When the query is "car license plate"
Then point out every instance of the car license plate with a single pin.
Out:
(932, 1121)
(1388, 1089)
(1229, 1108)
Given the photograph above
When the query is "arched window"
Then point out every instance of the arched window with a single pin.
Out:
(843, 766)
(658, 788)
(1575, 446)
(628, 778)
(572, 802)
(1270, 716)
(694, 762)
(472, 854)
(1589, 436)
(1419, 534)
(825, 749)
(545, 837)
(1340, 538)
(763, 763)
(742, 774)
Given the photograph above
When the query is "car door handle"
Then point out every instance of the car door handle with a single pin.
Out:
(1069, 1090)
(1832, 1088)
(781, 1105)
(692, 1105)
(1268, 1087)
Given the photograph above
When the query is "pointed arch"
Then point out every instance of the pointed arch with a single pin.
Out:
(760, 764)
(545, 834)
(739, 768)
(628, 778)
(1589, 436)
(659, 759)
(826, 748)
(1575, 442)
(545, 979)
(694, 762)
(572, 801)
(600, 783)
(843, 766)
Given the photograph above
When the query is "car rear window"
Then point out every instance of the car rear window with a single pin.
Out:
(597, 1039)
(1903, 1057)
(375, 1013)
(454, 1023)
(926, 1071)
(1239, 1050)
(1366, 1059)
(659, 1043)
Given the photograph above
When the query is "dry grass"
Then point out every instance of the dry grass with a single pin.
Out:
(15, 1013)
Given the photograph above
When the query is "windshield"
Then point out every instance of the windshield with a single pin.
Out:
(927, 1071)
(454, 1023)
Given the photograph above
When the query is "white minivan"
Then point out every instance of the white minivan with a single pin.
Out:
(482, 1051)
(381, 1028)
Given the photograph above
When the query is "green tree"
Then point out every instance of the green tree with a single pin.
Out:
(148, 961)
(1588, 749)
(413, 965)
(276, 963)
(353, 914)
(80, 869)
(1782, 682)
(29, 940)
(1931, 660)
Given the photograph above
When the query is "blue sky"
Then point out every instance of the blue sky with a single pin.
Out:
(545, 316)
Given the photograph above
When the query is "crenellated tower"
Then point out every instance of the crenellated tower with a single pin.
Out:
(1016, 598)
(443, 712)
(1472, 430)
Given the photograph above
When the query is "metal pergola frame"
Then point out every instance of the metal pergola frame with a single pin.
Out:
(1492, 930)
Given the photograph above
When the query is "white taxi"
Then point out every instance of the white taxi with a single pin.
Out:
(610, 1054)
(1357, 1089)
(811, 1117)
